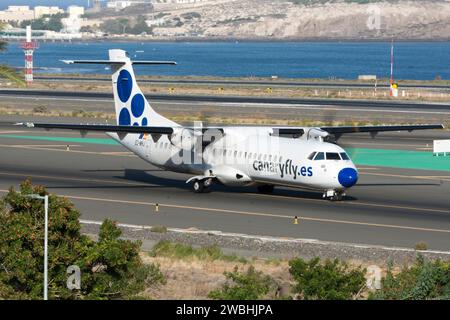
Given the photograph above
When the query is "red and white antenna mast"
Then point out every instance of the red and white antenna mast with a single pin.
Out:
(28, 47)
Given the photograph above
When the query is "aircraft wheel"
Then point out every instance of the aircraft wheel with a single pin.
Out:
(265, 188)
(199, 186)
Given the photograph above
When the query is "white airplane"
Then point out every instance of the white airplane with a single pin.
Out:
(299, 157)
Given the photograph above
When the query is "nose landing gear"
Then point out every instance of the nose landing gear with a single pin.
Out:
(333, 195)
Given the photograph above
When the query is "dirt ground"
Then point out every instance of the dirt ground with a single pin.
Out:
(193, 278)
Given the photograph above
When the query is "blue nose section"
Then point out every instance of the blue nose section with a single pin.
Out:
(348, 177)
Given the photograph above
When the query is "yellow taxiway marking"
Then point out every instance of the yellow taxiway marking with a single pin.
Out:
(74, 179)
(250, 213)
(366, 204)
(32, 147)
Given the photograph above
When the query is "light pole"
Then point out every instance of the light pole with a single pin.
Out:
(45, 198)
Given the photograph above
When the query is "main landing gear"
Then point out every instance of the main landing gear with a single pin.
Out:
(333, 195)
(202, 186)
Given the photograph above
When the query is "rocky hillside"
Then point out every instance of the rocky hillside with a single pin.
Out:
(305, 19)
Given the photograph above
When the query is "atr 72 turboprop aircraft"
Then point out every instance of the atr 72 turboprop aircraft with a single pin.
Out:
(302, 157)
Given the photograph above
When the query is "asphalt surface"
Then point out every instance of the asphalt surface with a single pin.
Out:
(392, 207)
(275, 83)
(230, 99)
(240, 107)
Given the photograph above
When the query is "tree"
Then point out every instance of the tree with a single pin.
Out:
(46, 22)
(111, 268)
(332, 280)
(423, 280)
(250, 285)
(6, 71)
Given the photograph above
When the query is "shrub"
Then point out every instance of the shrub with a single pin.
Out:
(421, 246)
(158, 229)
(332, 280)
(183, 251)
(423, 280)
(249, 285)
(111, 268)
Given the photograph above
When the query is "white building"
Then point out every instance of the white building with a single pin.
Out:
(72, 24)
(16, 14)
(75, 11)
(22, 13)
(118, 5)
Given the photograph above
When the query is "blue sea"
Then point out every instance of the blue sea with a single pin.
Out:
(341, 60)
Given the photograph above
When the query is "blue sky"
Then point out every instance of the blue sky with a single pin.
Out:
(32, 3)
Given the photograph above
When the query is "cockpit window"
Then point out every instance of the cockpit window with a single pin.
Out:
(344, 156)
(320, 156)
(333, 156)
(311, 156)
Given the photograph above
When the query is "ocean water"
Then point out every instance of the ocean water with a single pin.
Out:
(342, 60)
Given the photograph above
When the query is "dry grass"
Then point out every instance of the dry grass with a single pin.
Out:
(195, 278)
(249, 90)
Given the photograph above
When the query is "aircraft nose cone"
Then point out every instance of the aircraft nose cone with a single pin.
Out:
(348, 177)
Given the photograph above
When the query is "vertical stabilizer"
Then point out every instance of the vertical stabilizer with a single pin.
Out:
(132, 108)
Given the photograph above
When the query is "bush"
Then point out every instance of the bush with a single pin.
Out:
(421, 246)
(424, 280)
(111, 268)
(251, 285)
(183, 251)
(332, 280)
(158, 229)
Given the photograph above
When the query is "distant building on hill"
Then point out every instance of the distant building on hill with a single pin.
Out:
(22, 13)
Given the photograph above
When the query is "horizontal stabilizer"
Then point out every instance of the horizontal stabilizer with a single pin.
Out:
(112, 62)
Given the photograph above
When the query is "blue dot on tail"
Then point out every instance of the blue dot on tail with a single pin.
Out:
(124, 117)
(136, 124)
(137, 105)
(144, 122)
(124, 85)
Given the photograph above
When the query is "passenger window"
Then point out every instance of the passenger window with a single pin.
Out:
(333, 156)
(320, 156)
(344, 156)
(235, 154)
(265, 157)
(270, 158)
(224, 152)
(311, 156)
(259, 157)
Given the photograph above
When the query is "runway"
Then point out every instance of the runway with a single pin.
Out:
(267, 83)
(259, 108)
(389, 206)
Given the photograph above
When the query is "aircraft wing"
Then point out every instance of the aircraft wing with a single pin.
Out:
(169, 130)
(100, 128)
(376, 129)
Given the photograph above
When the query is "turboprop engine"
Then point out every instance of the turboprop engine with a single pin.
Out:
(186, 139)
(317, 134)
